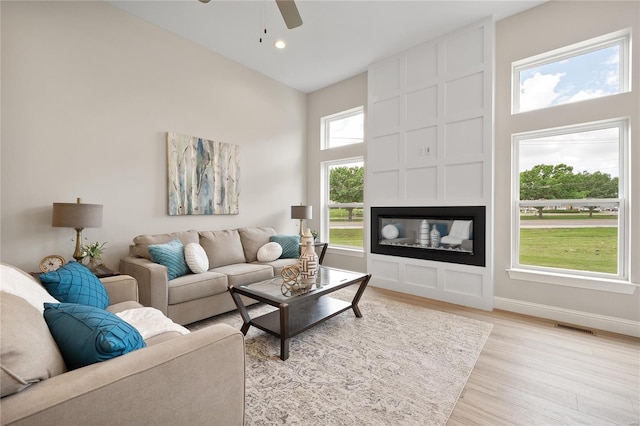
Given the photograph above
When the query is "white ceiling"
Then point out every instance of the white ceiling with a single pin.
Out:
(337, 40)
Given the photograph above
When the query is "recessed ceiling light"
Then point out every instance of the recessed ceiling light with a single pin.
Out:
(280, 44)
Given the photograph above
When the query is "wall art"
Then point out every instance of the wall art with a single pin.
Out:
(203, 176)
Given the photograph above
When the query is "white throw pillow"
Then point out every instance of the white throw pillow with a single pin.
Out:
(19, 283)
(269, 252)
(196, 258)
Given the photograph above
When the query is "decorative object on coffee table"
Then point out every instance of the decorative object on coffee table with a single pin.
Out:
(435, 237)
(290, 274)
(308, 265)
(306, 236)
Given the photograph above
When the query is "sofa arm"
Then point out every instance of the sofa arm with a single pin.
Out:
(153, 284)
(121, 288)
(196, 379)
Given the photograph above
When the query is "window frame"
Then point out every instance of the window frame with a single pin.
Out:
(325, 122)
(621, 38)
(594, 280)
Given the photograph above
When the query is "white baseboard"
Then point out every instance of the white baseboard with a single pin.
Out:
(584, 319)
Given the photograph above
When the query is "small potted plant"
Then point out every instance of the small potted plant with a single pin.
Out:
(94, 252)
(315, 235)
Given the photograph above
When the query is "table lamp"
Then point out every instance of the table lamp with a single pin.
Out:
(301, 212)
(77, 216)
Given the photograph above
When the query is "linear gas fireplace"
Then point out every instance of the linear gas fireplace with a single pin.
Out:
(446, 234)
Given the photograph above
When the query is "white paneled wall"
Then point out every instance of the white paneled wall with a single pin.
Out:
(430, 143)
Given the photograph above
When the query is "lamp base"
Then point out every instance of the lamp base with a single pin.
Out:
(78, 255)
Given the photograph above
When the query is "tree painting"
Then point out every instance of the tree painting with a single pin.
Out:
(203, 176)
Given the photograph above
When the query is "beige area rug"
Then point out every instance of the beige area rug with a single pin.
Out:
(397, 365)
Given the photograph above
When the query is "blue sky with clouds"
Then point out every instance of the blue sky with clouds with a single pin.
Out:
(591, 75)
(582, 77)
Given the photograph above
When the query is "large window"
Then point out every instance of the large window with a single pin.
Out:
(569, 210)
(571, 184)
(592, 69)
(343, 181)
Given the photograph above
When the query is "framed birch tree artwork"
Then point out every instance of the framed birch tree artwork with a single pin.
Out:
(203, 176)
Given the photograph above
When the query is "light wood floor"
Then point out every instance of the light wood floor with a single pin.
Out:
(531, 372)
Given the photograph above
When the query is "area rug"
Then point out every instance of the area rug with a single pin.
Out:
(399, 364)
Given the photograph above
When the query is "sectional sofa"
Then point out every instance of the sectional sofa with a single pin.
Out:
(231, 258)
(174, 379)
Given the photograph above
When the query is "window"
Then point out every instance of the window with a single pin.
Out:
(344, 205)
(344, 128)
(587, 70)
(343, 179)
(570, 191)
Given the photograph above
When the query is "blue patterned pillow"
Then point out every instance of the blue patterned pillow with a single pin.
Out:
(86, 335)
(75, 283)
(171, 255)
(290, 245)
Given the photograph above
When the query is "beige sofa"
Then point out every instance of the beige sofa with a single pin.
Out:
(175, 379)
(233, 261)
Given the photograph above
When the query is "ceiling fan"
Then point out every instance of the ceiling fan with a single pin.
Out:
(288, 10)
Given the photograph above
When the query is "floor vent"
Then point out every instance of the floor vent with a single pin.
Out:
(574, 328)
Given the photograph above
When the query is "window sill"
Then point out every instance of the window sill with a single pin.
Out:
(344, 251)
(590, 283)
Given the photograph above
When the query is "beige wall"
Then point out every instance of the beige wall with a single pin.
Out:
(546, 27)
(88, 94)
(342, 96)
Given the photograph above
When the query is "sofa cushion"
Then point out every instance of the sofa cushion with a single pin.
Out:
(222, 247)
(141, 242)
(196, 286)
(245, 273)
(278, 264)
(75, 283)
(196, 258)
(269, 252)
(86, 335)
(171, 255)
(290, 245)
(28, 353)
(18, 282)
(253, 238)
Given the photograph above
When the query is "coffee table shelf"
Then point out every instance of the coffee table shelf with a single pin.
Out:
(301, 311)
(302, 316)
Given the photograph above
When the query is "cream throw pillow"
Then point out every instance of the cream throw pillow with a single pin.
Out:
(269, 252)
(196, 258)
(16, 282)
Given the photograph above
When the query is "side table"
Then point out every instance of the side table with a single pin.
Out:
(101, 272)
(323, 250)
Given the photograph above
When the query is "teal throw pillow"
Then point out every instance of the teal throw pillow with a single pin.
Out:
(290, 245)
(171, 255)
(86, 335)
(75, 283)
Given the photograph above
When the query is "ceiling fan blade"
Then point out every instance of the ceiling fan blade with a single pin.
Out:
(289, 12)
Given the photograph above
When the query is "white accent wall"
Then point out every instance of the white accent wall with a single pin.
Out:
(430, 143)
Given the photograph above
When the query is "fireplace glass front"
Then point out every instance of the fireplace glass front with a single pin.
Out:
(448, 234)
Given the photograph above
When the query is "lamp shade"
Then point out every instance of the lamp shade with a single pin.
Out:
(301, 212)
(76, 215)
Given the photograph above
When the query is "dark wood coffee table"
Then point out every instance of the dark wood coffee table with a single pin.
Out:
(299, 310)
